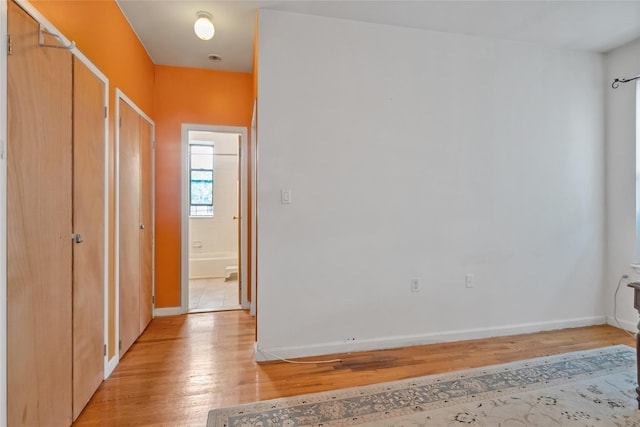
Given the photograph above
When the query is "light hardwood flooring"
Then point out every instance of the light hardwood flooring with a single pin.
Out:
(183, 366)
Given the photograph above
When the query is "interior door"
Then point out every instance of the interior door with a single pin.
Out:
(146, 228)
(88, 222)
(38, 228)
(129, 225)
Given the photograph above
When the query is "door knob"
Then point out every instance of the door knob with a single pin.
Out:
(141, 226)
(235, 217)
(77, 238)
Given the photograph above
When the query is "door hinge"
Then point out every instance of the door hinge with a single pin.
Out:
(105, 349)
(120, 344)
(153, 299)
(106, 114)
(120, 122)
(9, 45)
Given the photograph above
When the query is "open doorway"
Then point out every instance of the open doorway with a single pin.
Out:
(213, 223)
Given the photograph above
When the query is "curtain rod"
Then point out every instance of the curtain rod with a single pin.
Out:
(616, 82)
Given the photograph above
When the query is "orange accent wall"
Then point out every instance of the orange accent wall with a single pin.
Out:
(103, 35)
(195, 96)
(108, 41)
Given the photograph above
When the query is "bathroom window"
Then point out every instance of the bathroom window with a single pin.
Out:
(201, 180)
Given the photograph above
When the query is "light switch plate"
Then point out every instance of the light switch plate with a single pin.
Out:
(285, 196)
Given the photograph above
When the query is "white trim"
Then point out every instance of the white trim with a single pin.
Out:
(3, 214)
(627, 325)
(262, 354)
(168, 311)
(111, 365)
(243, 151)
(254, 212)
(153, 218)
(184, 222)
(119, 95)
(107, 365)
(184, 216)
(116, 236)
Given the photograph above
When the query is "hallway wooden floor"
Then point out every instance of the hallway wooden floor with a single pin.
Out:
(183, 366)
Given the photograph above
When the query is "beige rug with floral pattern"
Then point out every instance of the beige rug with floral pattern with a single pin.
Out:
(587, 388)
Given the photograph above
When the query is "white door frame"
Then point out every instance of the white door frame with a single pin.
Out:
(184, 221)
(254, 212)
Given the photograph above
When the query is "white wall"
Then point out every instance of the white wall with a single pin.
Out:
(219, 233)
(417, 154)
(621, 176)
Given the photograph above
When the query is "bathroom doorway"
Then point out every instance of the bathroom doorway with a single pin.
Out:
(212, 202)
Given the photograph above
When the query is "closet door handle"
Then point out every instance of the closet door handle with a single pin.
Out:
(77, 238)
(141, 226)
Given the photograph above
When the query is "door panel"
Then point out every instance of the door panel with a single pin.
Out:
(145, 218)
(88, 220)
(129, 226)
(38, 228)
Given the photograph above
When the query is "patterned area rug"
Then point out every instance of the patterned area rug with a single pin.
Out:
(587, 388)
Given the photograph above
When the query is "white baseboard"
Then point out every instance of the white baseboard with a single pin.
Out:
(265, 354)
(110, 366)
(169, 311)
(627, 325)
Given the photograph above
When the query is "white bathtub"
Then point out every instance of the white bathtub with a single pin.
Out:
(212, 264)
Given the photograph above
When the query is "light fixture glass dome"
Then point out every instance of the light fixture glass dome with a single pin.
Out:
(203, 26)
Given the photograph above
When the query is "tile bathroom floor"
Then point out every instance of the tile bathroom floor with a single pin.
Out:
(213, 294)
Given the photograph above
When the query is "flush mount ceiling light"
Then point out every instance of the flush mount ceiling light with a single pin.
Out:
(203, 26)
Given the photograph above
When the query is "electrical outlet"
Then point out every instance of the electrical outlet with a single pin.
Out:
(415, 285)
(469, 280)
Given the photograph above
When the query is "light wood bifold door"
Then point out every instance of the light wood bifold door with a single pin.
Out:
(129, 226)
(135, 227)
(146, 229)
(88, 222)
(55, 229)
(38, 228)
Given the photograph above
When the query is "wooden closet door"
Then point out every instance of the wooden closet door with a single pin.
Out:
(38, 228)
(129, 226)
(88, 221)
(146, 233)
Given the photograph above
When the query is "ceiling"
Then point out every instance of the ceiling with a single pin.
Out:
(165, 27)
